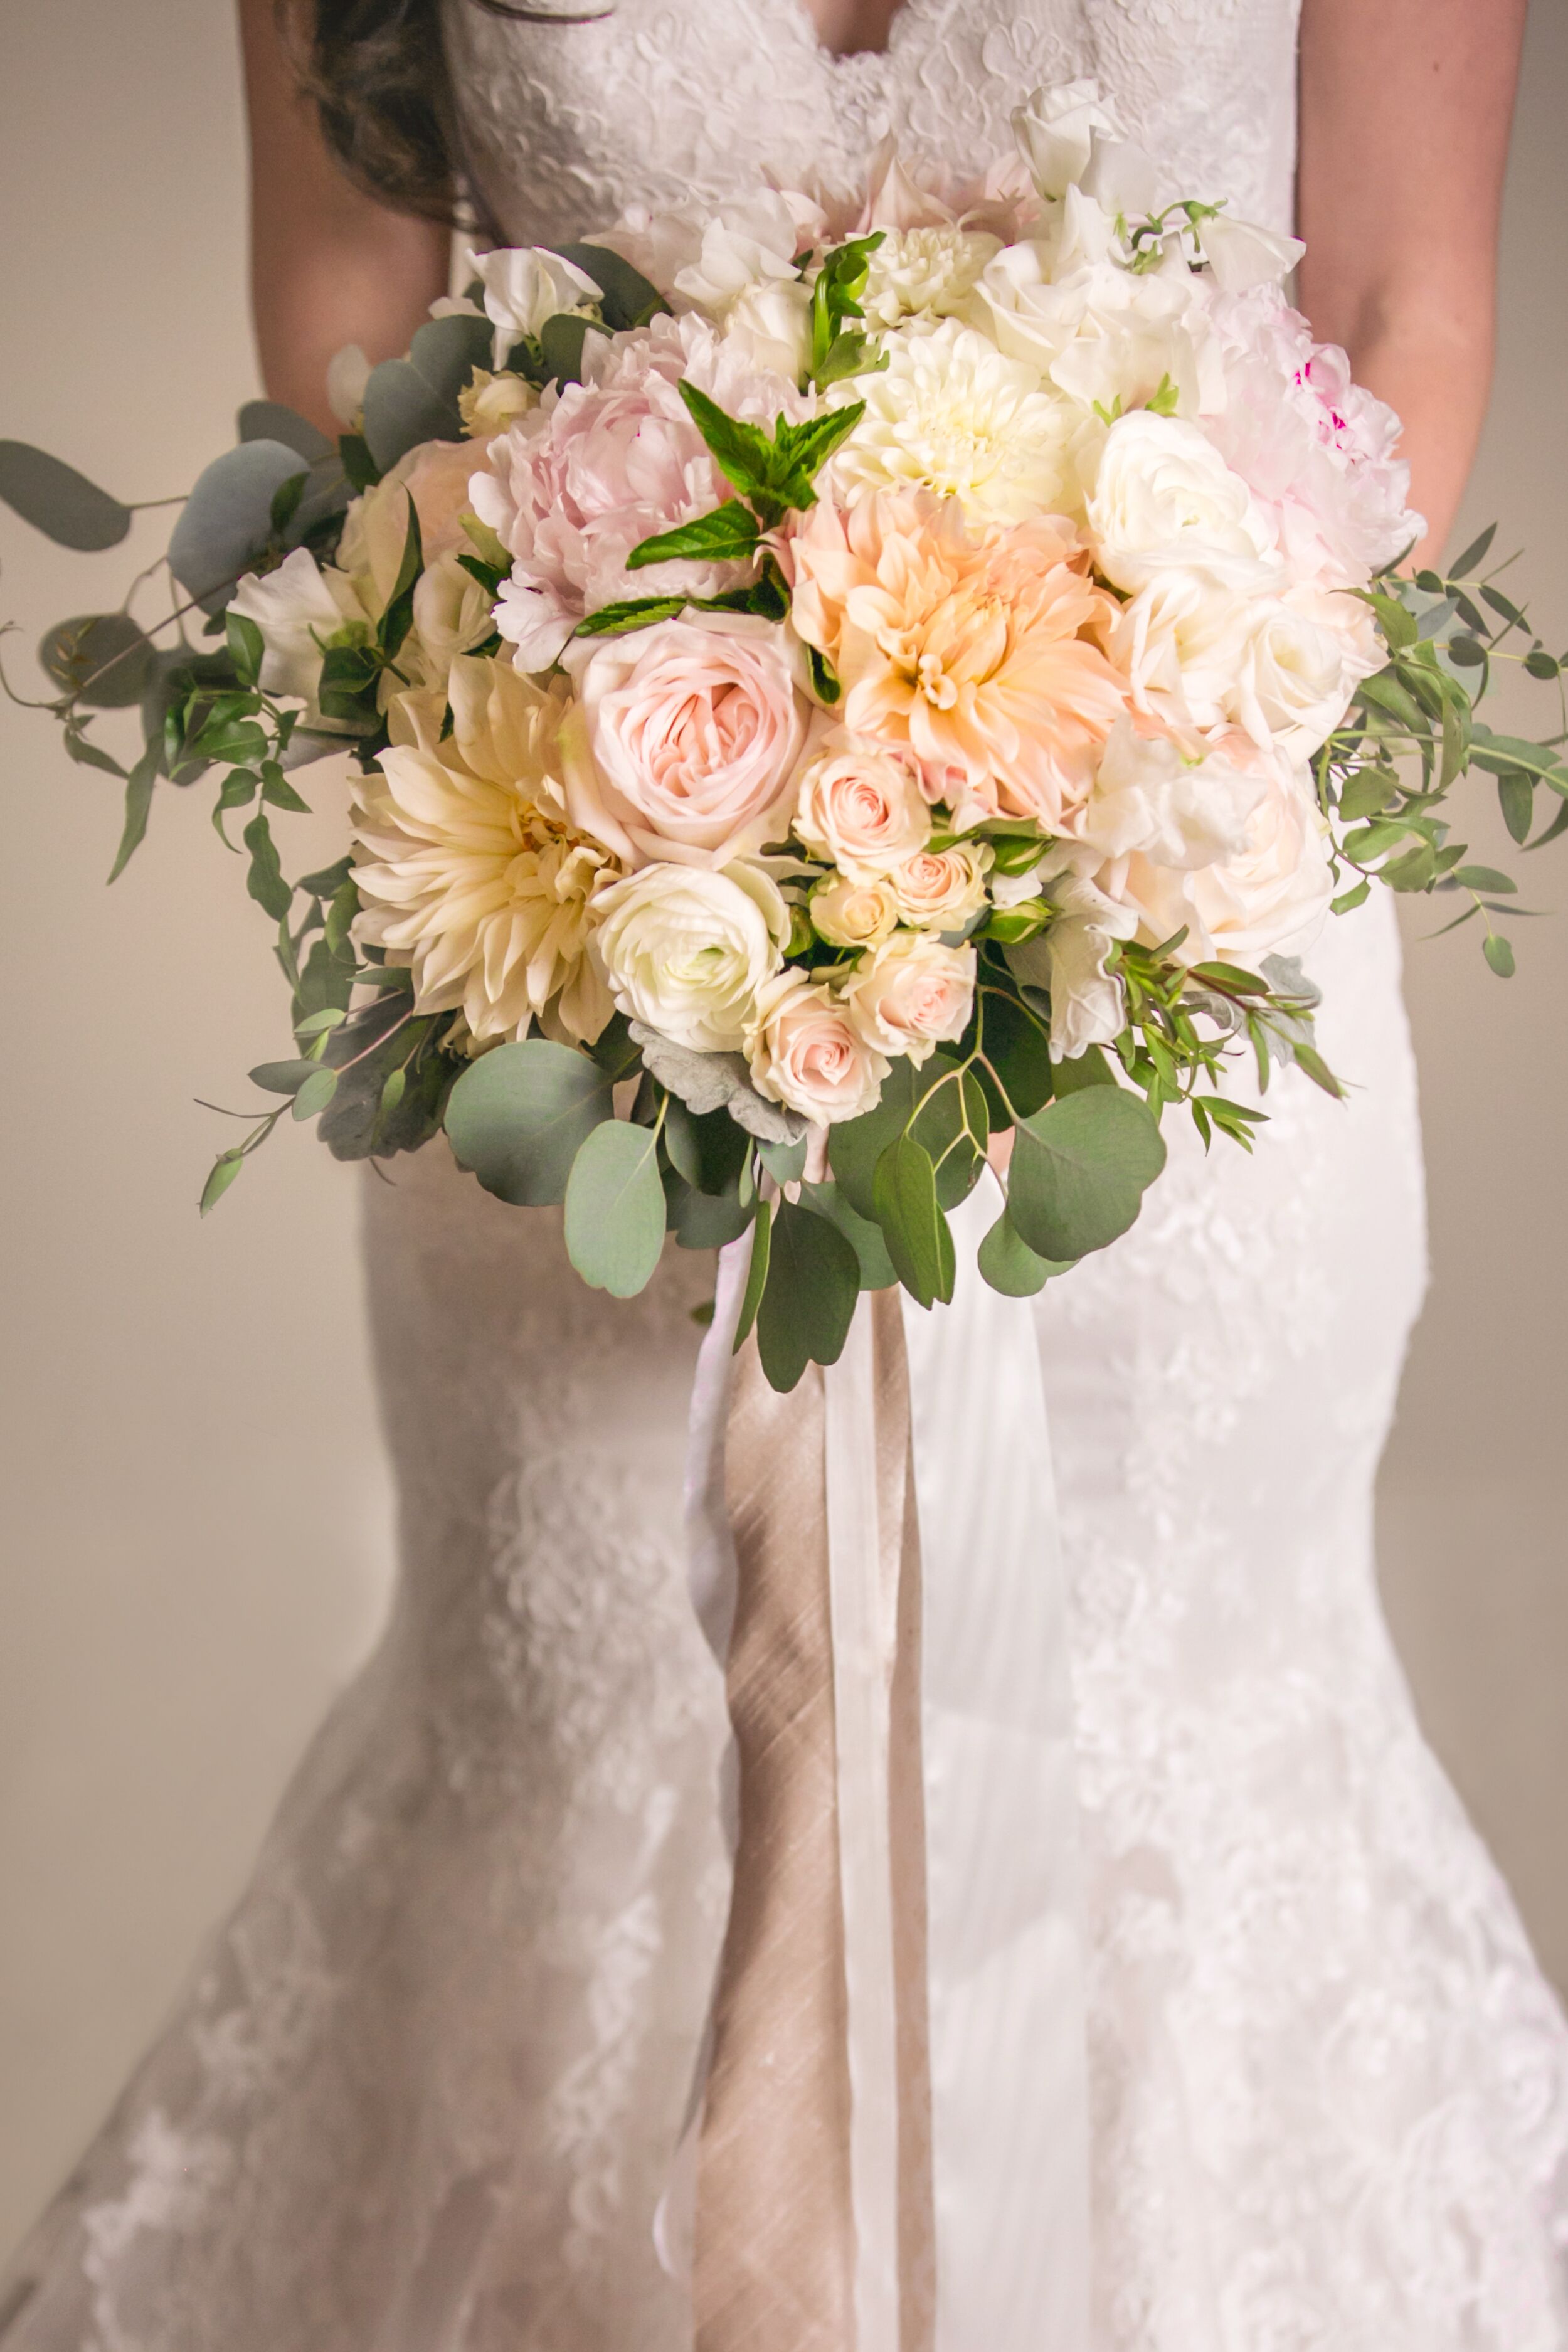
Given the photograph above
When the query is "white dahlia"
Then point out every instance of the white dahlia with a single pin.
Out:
(466, 869)
(950, 414)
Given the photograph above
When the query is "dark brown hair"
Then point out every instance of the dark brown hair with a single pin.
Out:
(377, 72)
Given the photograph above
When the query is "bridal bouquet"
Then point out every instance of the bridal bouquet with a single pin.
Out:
(829, 681)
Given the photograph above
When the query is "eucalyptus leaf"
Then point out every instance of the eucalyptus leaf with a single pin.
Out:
(1008, 1264)
(615, 1209)
(919, 1242)
(101, 659)
(756, 1273)
(702, 1220)
(629, 300)
(877, 1269)
(415, 399)
(57, 501)
(269, 420)
(225, 1168)
(226, 522)
(561, 342)
(315, 1093)
(519, 1116)
(283, 1077)
(809, 1299)
(1079, 1170)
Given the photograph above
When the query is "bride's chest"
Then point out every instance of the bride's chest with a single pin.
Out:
(668, 102)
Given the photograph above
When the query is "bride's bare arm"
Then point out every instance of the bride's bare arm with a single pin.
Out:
(1405, 112)
(328, 265)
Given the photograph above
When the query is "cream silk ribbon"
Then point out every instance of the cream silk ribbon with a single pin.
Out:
(888, 2149)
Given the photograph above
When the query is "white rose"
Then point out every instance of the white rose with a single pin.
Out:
(912, 995)
(1056, 129)
(1148, 797)
(942, 889)
(523, 285)
(300, 612)
(860, 808)
(1165, 500)
(805, 1052)
(849, 913)
(451, 615)
(685, 949)
(1300, 666)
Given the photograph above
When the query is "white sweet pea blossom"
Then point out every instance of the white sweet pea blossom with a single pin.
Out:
(302, 612)
(1056, 129)
(1087, 1004)
(1241, 256)
(525, 284)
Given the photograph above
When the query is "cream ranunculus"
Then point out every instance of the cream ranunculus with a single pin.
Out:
(685, 949)
(686, 738)
(912, 995)
(951, 414)
(853, 913)
(302, 612)
(467, 870)
(1165, 501)
(807, 1053)
(942, 889)
(861, 807)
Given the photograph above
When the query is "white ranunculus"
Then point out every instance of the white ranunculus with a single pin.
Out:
(1149, 797)
(860, 808)
(451, 615)
(687, 949)
(848, 914)
(1179, 644)
(525, 284)
(1301, 661)
(925, 273)
(1055, 129)
(952, 414)
(807, 1053)
(942, 889)
(302, 612)
(1242, 255)
(1164, 500)
(1088, 1007)
(912, 995)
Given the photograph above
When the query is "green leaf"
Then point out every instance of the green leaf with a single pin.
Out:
(101, 659)
(398, 618)
(635, 613)
(856, 1145)
(707, 1148)
(283, 1077)
(1010, 1265)
(246, 646)
(1540, 664)
(1466, 653)
(743, 453)
(809, 1297)
(227, 522)
(629, 300)
(1367, 794)
(1387, 693)
(415, 399)
(315, 1092)
(1475, 553)
(756, 1273)
(1017, 1046)
(225, 1168)
(1482, 878)
(702, 1220)
(1079, 1170)
(864, 1237)
(785, 1162)
(265, 880)
(615, 1208)
(1308, 1059)
(57, 501)
(560, 340)
(269, 420)
(88, 754)
(726, 533)
(520, 1115)
(915, 1230)
(1354, 897)
(316, 1024)
(1415, 870)
(826, 683)
(1499, 954)
(137, 803)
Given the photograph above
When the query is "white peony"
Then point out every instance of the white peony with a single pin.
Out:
(849, 913)
(952, 414)
(1164, 500)
(913, 993)
(925, 273)
(523, 287)
(805, 1052)
(302, 612)
(687, 949)
(466, 871)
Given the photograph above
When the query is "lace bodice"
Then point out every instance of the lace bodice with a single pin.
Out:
(669, 103)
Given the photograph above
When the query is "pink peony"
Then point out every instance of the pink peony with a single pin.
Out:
(573, 487)
(977, 652)
(1316, 449)
(685, 738)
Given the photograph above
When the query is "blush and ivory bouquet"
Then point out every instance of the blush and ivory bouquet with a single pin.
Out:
(829, 681)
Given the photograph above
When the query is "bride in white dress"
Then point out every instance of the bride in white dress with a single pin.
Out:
(423, 2092)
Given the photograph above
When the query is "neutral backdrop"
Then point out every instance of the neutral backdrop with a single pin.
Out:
(196, 1523)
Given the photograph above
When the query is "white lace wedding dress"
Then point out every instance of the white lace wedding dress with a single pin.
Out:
(423, 2092)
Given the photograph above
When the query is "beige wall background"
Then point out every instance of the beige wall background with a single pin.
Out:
(195, 1530)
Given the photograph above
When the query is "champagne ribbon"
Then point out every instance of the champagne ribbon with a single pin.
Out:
(889, 2144)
